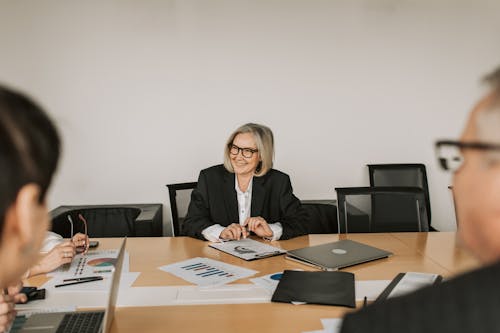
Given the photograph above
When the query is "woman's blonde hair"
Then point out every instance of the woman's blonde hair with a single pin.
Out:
(265, 144)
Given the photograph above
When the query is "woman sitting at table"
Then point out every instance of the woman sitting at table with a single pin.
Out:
(245, 194)
(56, 252)
(29, 151)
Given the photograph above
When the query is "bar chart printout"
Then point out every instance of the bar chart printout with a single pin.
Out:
(207, 272)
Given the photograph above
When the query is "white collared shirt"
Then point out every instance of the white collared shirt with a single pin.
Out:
(244, 199)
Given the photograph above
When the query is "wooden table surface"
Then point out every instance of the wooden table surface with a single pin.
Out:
(433, 252)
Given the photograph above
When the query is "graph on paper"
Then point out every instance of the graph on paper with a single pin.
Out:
(207, 272)
(98, 261)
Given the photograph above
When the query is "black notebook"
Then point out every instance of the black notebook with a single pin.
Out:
(326, 288)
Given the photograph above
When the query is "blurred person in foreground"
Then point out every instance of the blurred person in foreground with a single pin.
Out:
(469, 302)
(29, 152)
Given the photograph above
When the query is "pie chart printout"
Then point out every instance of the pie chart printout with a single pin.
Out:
(102, 262)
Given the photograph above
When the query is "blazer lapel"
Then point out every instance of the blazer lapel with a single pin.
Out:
(230, 198)
(258, 193)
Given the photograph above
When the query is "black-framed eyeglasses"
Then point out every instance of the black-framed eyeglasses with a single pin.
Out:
(449, 152)
(245, 152)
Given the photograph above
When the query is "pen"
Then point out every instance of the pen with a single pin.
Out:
(103, 271)
(83, 278)
(78, 282)
(266, 254)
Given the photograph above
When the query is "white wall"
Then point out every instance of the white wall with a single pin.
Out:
(146, 92)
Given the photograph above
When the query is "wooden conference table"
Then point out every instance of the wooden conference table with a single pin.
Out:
(433, 252)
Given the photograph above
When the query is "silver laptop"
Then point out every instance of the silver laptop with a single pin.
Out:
(332, 256)
(78, 321)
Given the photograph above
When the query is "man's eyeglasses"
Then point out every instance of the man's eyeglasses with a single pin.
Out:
(246, 152)
(449, 153)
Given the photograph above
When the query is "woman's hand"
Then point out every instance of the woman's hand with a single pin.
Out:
(61, 254)
(7, 302)
(81, 242)
(234, 231)
(259, 226)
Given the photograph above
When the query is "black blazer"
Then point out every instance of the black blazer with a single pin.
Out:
(214, 201)
(468, 303)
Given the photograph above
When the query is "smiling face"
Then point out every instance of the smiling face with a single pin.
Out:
(244, 166)
(476, 187)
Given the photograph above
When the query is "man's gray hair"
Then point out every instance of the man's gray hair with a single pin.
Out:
(488, 121)
(493, 79)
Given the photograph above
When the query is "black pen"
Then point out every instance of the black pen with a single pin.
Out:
(266, 254)
(78, 282)
(98, 277)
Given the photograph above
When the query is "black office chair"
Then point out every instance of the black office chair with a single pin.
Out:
(407, 175)
(131, 220)
(381, 209)
(322, 216)
(180, 196)
(454, 204)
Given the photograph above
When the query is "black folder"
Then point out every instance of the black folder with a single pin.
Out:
(326, 288)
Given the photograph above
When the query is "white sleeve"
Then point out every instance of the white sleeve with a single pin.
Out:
(212, 233)
(51, 240)
(277, 231)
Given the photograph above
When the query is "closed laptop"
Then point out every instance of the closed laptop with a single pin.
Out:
(335, 255)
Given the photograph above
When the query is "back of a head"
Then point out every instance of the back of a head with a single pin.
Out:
(29, 147)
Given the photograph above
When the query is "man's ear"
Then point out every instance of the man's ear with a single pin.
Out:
(22, 215)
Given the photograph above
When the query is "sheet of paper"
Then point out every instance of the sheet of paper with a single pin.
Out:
(370, 288)
(103, 285)
(184, 295)
(226, 294)
(269, 281)
(331, 325)
(207, 272)
(247, 249)
(82, 300)
(147, 296)
(412, 281)
(29, 311)
(94, 262)
(127, 279)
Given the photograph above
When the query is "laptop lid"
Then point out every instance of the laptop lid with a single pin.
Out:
(115, 286)
(332, 256)
(50, 322)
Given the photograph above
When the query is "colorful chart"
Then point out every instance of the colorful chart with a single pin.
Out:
(102, 262)
(276, 276)
(207, 272)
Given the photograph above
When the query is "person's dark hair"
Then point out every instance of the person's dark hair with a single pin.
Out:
(29, 147)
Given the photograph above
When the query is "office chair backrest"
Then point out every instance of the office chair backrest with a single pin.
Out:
(101, 222)
(322, 216)
(119, 220)
(381, 209)
(407, 175)
(179, 196)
